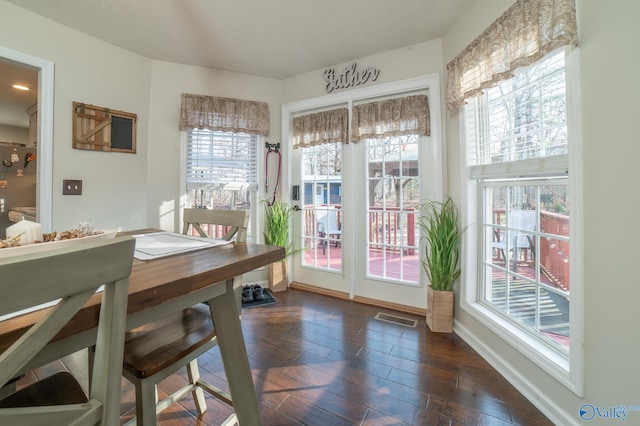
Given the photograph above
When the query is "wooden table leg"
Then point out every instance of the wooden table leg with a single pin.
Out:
(226, 319)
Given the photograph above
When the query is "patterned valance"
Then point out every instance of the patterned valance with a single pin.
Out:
(391, 117)
(525, 33)
(224, 114)
(321, 127)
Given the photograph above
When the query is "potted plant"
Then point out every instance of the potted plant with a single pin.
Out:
(277, 222)
(439, 223)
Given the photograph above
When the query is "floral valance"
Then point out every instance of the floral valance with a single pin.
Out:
(391, 117)
(224, 114)
(321, 127)
(525, 33)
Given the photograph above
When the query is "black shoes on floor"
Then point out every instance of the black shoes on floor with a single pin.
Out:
(252, 293)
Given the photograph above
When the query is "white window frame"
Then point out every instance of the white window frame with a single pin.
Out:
(566, 370)
(252, 188)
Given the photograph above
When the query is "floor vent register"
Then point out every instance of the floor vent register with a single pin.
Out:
(380, 316)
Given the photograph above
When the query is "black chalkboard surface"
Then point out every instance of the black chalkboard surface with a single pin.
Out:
(121, 133)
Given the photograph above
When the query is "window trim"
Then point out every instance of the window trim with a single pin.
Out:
(568, 371)
(254, 217)
(557, 165)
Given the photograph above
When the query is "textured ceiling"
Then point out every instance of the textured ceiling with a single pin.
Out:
(269, 38)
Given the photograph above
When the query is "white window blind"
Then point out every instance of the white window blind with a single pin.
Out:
(222, 160)
(519, 126)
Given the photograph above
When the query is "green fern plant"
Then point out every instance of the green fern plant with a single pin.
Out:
(277, 218)
(439, 223)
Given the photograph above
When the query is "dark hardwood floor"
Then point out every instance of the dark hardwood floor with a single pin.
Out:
(317, 360)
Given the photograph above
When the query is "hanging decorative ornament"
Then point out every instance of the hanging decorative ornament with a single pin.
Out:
(28, 157)
(274, 150)
(7, 163)
(14, 156)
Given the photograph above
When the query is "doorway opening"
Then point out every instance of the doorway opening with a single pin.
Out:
(42, 132)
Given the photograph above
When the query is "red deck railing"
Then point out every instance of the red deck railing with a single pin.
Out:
(385, 226)
(213, 231)
(554, 253)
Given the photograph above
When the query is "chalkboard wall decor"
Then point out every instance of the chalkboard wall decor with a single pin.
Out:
(102, 129)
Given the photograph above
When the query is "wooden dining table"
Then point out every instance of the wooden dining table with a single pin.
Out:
(169, 284)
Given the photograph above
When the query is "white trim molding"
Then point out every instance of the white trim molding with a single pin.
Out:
(44, 187)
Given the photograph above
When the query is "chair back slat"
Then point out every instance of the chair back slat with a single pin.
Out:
(236, 220)
(38, 336)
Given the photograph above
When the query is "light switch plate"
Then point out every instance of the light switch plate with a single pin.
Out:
(71, 187)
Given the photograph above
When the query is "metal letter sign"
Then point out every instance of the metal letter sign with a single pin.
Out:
(350, 77)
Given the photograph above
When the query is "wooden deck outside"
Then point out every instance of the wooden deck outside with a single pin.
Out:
(390, 265)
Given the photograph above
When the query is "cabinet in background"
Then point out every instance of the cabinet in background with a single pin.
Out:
(33, 125)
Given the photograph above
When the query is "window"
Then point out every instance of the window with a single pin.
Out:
(518, 146)
(525, 260)
(222, 171)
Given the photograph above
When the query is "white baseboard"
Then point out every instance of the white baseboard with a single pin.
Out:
(538, 398)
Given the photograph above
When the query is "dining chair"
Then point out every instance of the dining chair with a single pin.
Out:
(329, 230)
(521, 224)
(157, 350)
(223, 224)
(65, 279)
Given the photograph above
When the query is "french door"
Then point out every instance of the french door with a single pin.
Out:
(359, 218)
(356, 229)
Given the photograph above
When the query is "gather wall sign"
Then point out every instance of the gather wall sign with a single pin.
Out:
(350, 77)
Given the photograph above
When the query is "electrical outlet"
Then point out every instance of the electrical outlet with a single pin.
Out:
(71, 187)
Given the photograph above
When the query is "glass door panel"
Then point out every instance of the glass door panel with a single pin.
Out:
(322, 219)
(393, 193)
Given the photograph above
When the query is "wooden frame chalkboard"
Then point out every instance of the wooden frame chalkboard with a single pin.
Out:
(102, 129)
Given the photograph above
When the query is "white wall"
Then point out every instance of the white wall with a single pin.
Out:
(609, 36)
(608, 67)
(93, 72)
(168, 82)
(412, 61)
